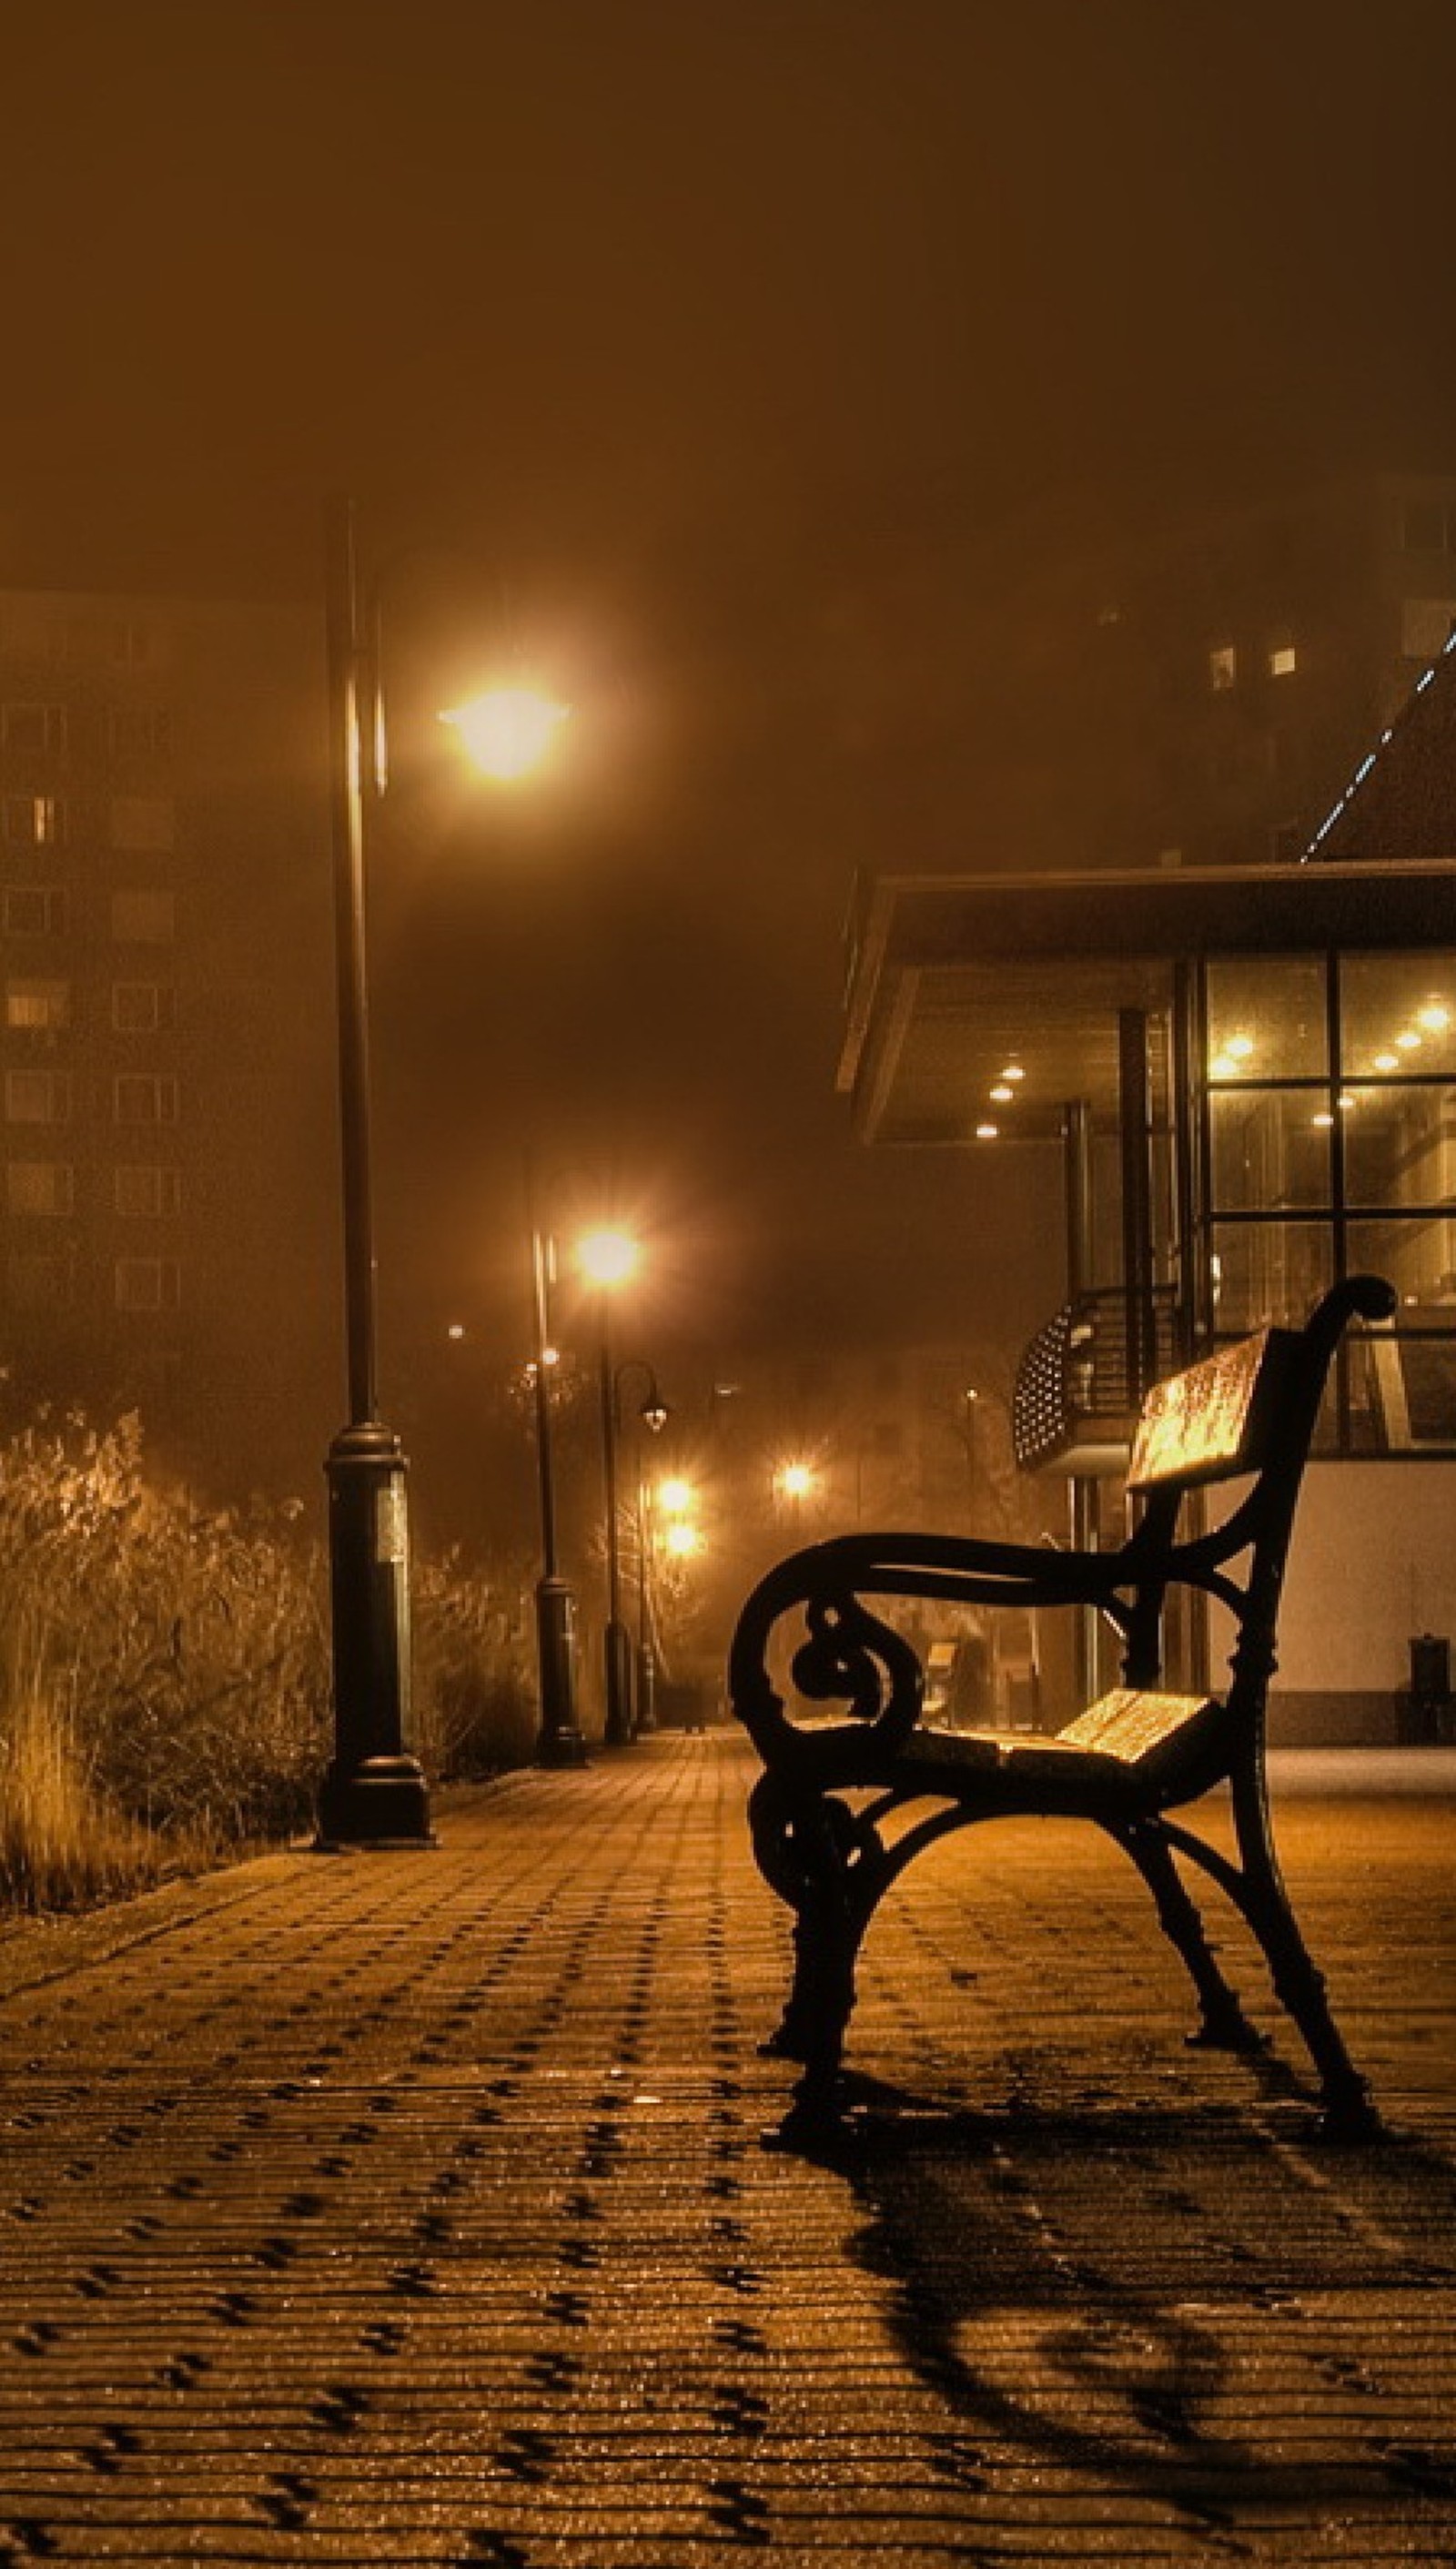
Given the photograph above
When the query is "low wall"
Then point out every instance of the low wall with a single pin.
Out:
(1374, 1562)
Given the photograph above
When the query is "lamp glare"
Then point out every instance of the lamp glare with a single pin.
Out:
(507, 731)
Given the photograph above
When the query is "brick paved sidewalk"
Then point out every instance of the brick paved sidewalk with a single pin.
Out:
(399, 2209)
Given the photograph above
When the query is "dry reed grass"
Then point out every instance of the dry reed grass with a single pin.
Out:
(164, 1670)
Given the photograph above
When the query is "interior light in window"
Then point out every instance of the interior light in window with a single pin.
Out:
(1284, 661)
(986, 1132)
(1435, 1017)
(1001, 1095)
(1407, 1040)
(1322, 1121)
(1013, 1071)
(1239, 1048)
(1387, 1061)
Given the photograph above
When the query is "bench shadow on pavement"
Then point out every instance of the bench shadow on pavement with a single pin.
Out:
(1155, 2295)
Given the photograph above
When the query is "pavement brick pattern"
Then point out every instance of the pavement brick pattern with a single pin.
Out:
(415, 2208)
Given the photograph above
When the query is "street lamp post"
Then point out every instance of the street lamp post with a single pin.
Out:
(607, 1258)
(646, 1647)
(374, 1793)
(652, 1416)
(559, 1742)
(617, 1646)
(968, 1401)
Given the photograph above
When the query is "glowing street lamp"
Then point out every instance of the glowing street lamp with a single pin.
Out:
(507, 731)
(374, 1792)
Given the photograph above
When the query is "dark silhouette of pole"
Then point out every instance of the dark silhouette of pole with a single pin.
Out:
(617, 1641)
(652, 1417)
(646, 1647)
(559, 1742)
(374, 1793)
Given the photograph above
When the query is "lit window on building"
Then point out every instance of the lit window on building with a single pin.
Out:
(38, 1008)
(1331, 1112)
(1397, 1015)
(1223, 668)
(37, 1097)
(146, 1097)
(1268, 1018)
(42, 1188)
(147, 1285)
(33, 820)
(146, 1194)
(1284, 660)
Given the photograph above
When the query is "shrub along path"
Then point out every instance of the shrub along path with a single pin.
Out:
(396, 2209)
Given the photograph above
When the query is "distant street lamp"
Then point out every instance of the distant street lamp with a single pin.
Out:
(607, 1258)
(793, 1484)
(374, 1793)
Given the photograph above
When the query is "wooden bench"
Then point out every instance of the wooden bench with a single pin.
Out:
(843, 1805)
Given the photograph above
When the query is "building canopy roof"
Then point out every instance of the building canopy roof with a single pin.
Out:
(956, 980)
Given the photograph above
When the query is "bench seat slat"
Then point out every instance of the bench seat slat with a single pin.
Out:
(1132, 1746)
(1131, 1720)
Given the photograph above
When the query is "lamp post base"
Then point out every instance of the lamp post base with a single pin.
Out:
(559, 1741)
(374, 1794)
(383, 1804)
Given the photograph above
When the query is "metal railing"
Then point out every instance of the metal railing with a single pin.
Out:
(1089, 1368)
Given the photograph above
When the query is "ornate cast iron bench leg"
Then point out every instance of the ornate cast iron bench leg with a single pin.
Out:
(1223, 2025)
(807, 1853)
(1348, 2113)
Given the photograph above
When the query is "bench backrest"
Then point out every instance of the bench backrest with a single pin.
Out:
(1249, 1407)
(1214, 1420)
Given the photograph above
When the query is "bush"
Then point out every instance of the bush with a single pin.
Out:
(473, 1688)
(164, 1670)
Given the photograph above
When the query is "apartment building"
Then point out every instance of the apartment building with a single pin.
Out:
(166, 1067)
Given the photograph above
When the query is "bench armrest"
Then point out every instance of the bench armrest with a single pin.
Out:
(853, 1657)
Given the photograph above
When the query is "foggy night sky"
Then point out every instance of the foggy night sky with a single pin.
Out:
(723, 333)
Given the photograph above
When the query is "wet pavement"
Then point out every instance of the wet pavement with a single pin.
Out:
(415, 2208)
